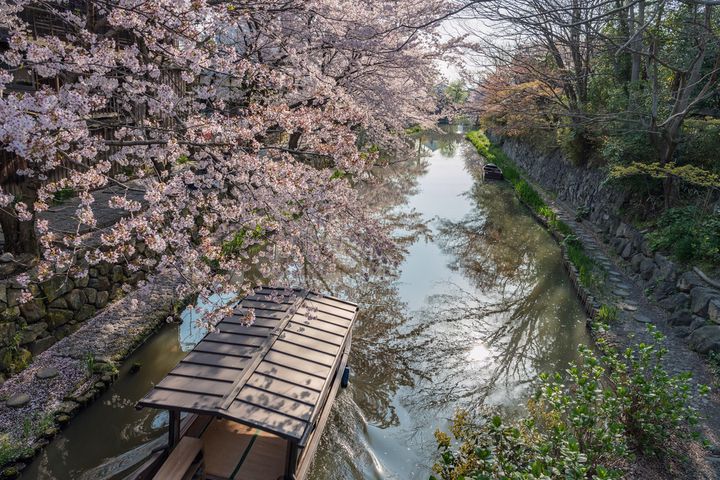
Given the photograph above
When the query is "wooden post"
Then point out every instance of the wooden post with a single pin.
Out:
(174, 428)
(291, 461)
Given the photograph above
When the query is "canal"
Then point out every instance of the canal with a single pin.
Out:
(477, 309)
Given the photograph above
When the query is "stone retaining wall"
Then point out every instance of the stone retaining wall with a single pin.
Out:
(693, 301)
(58, 308)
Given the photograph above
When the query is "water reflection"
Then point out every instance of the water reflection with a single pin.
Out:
(480, 307)
(477, 308)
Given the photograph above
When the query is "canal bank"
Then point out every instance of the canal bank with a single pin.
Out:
(613, 287)
(74, 372)
(479, 307)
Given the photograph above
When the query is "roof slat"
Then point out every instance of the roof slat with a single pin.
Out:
(298, 363)
(320, 324)
(281, 387)
(225, 349)
(204, 371)
(161, 398)
(341, 322)
(290, 375)
(273, 421)
(235, 338)
(309, 342)
(333, 302)
(264, 305)
(339, 312)
(313, 331)
(203, 358)
(276, 403)
(261, 313)
(195, 385)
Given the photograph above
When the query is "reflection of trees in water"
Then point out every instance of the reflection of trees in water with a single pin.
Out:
(445, 143)
(380, 359)
(523, 318)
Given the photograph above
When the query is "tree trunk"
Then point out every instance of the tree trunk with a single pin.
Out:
(294, 141)
(20, 237)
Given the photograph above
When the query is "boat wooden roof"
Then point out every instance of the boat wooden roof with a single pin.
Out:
(275, 374)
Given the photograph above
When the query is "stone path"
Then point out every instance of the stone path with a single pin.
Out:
(59, 380)
(636, 311)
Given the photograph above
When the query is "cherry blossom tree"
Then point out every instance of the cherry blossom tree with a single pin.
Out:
(243, 122)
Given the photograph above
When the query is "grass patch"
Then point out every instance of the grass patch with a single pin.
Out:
(607, 314)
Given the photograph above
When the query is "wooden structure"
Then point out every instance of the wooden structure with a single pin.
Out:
(257, 397)
(492, 172)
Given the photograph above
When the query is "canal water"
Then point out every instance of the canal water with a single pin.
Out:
(477, 309)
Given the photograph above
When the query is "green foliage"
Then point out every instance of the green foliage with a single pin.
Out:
(689, 234)
(589, 271)
(582, 213)
(183, 159)
(414, 130)
(701, 143)
(63, 194)
(456, 92)
(562, 227)
(571, 143)
(494, 154)
(13, 449)
(90, 363)
(245, 239)
(529, 195)
(583, 424)
(607, 314)
(687, 173)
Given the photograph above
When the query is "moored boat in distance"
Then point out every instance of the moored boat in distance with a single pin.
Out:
(492, 172)
(251, 402)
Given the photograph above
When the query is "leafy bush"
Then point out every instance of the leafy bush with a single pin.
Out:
(689, 234)
(582, 213)
(583, 424)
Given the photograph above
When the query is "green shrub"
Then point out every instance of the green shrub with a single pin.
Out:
(62, 195)
(528, 195)
(689, 234)
(562, 227)
(583, 424)
(582, 213)
(607, 314)
(588, 270)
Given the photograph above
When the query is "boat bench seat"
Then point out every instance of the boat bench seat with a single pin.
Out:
(184, 461)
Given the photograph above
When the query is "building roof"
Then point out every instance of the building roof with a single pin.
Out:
(275, 374)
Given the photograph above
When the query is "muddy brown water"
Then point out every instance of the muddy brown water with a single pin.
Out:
(477, 309)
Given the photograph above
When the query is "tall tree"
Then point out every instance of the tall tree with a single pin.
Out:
(223, 112)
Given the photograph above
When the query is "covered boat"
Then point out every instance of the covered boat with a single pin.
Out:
(251, 402)
(492, 172)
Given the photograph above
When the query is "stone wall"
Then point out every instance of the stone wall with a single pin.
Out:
(690, 296)
(58, 308)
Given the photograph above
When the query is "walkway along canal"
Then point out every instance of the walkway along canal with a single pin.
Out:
(480, 306)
